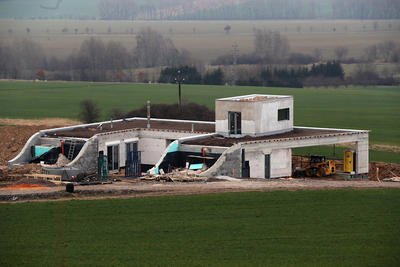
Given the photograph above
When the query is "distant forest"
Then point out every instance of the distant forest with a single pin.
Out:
(200, 9)
(303, 9)
(249, 9)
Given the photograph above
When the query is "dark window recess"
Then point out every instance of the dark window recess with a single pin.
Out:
(283, 114)
(113, 157)
(245, 166)
(235, 122)
(267, 166)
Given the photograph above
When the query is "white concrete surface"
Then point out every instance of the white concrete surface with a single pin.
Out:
(258, 116)
(362, 154)
(280, 162)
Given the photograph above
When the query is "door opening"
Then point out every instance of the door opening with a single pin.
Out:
(245, 166)
(235, 122)
(267, 166)
(113, 157)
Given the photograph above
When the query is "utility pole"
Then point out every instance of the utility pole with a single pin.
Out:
(179, 79)
(235, 53)
(148, 114)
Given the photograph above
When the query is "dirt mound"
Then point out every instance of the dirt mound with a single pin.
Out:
(13, 139)
(48, 122)
(15, 132)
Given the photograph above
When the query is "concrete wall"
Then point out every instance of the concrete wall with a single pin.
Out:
(151, 143)
(85, 161)
(362, 154)
(257, 117)
(248, 112)
(280, 162)
(229, 164)
(117, 138)
(152, 149)
(268, 122)
(25, 155)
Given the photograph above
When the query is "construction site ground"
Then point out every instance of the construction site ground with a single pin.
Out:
(14, 186)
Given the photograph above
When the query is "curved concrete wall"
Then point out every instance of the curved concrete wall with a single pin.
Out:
(85, 161)
(173, 147)
(25, 154)
(228, 164)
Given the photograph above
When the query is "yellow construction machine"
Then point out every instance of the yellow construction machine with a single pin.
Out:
(320, 167)
(317, 166)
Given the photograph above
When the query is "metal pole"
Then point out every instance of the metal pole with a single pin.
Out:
(179, 88)
(179, 79)
(148, 114)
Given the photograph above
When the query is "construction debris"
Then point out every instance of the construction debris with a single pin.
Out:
(177, 175)
(393, 179)
(18, 171)
(386, 170)
(85, 178)
(61, 162)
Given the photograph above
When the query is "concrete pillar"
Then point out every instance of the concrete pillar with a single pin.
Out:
(362, 154)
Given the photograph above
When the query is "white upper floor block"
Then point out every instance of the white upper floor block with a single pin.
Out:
(254, 115)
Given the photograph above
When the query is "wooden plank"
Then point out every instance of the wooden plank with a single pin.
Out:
(200, 157)
(42, 176)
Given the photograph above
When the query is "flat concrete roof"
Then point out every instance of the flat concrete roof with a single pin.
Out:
(253, 98)
(297, 132)
(87, 131)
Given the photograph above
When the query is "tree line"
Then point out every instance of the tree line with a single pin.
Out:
(252, 9)
(325, 73)
(97, 60)
(94, 61)
(190, 75)
(301, 9)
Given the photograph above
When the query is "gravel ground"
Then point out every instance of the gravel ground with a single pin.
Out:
(137, 188)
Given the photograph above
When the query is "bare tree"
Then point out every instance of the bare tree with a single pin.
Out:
(116, 56)
(341, 52)
(271, 46)
(317, 53)
(371, 53)
(152, 49)
(91, 60)
(89, 111)
(227, 29)
(388, 51)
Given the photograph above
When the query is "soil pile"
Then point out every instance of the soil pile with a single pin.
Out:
(13, 139)
(15, 132)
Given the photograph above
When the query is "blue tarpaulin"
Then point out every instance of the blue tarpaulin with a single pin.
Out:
(40, 150)
(196, 166)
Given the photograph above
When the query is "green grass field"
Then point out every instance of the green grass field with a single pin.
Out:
(301, 228)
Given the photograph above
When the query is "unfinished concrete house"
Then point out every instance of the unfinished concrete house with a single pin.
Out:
(252, 137)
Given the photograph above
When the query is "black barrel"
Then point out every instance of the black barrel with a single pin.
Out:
(69, 188)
